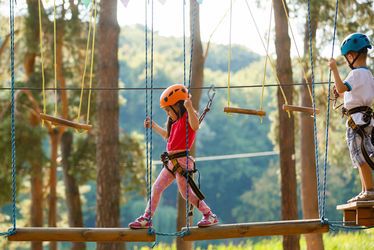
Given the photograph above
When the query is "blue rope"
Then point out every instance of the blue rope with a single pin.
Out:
(12, 117)
(184, 83)
(314, 111)
(328, 116)
(146, 99)
(151, 116)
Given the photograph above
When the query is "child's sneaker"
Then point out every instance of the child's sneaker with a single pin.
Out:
(141, 222)
(353, 199)
(363, 196)
(208, 220)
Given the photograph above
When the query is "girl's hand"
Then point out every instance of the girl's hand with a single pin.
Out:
(332, 64)
(147, 122)
(188, 103)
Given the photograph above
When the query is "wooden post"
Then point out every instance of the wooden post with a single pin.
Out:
(224, 231)
(77, 234)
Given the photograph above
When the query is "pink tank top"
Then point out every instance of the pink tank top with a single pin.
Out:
(177, 138)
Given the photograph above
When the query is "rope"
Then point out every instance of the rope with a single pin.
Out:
(42, 58)
(315, 132)
(55, 52)
(12, 117)
(229, 58)
(266, 62)
(296, 47)
(92, 62)
(93, 15)
(267, 55)
(328, 116)
(162, 88)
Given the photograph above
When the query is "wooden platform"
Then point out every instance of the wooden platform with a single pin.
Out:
(81, 234)
(62, 122)
(244, 111)
(293, 108)
(288, 227)
(359, 213)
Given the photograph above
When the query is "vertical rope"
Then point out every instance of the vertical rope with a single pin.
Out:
(229, 58)
(85, 63)
(55, 52)
(151, 108)
(315, 132)
(328, 115)
(13, 126)
(184, 83)
(266, 61)
(92, 61)
(42, 57)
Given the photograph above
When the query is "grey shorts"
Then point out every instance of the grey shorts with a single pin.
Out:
(354, 145)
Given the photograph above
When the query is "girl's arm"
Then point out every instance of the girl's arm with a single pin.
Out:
(339, 84)
(159, 130)
(193, 119)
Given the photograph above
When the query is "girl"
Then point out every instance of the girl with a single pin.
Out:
(177, 104)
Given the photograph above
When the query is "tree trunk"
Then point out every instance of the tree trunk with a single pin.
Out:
(107, 147)
(36, 207)
(309, 198)
(72, 194)
(52, 198)
(197, 79)
(286, 124)
(36, 215)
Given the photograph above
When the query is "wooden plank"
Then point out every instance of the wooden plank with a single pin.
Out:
(354, 205)
(349, 217)
(293, 108)
(62, 122)
(366, 222)
(365, 216)
(81, 234)
(244, 111)
(224, 231)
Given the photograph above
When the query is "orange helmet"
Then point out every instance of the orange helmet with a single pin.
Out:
(173, 94)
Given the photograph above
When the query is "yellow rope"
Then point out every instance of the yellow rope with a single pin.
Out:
(270, 61)
(266, 62)
(297, 50)
(42, 58)
(92, 62)
(229, 59)
(85, 64)
(54, 52)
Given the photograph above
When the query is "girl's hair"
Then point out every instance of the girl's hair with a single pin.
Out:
(180, 112)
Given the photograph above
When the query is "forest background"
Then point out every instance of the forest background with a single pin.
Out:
(239, 190)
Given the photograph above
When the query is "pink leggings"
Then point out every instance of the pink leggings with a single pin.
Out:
(164, 179)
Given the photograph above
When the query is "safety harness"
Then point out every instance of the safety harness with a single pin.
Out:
(166, 157)
(360, 129)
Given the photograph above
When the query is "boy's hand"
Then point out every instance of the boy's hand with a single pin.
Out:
(332, 64)
(188, 103)
(336, 93)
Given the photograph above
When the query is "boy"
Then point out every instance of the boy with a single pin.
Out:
(358, 89)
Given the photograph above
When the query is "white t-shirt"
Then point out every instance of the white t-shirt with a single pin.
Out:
(360, 83)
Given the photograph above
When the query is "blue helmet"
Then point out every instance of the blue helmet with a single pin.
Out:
(355, 42)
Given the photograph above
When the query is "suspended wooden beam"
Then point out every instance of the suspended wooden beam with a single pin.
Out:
(359, 213)
(81, 234)
(293, 108)
(62, 122)
(244, 111)
(225, 231)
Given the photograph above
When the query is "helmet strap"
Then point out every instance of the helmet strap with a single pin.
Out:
(175, 112)
(354, 60)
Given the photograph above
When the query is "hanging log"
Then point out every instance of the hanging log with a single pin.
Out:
(63, 122)
(293, 108)
(244, 111)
